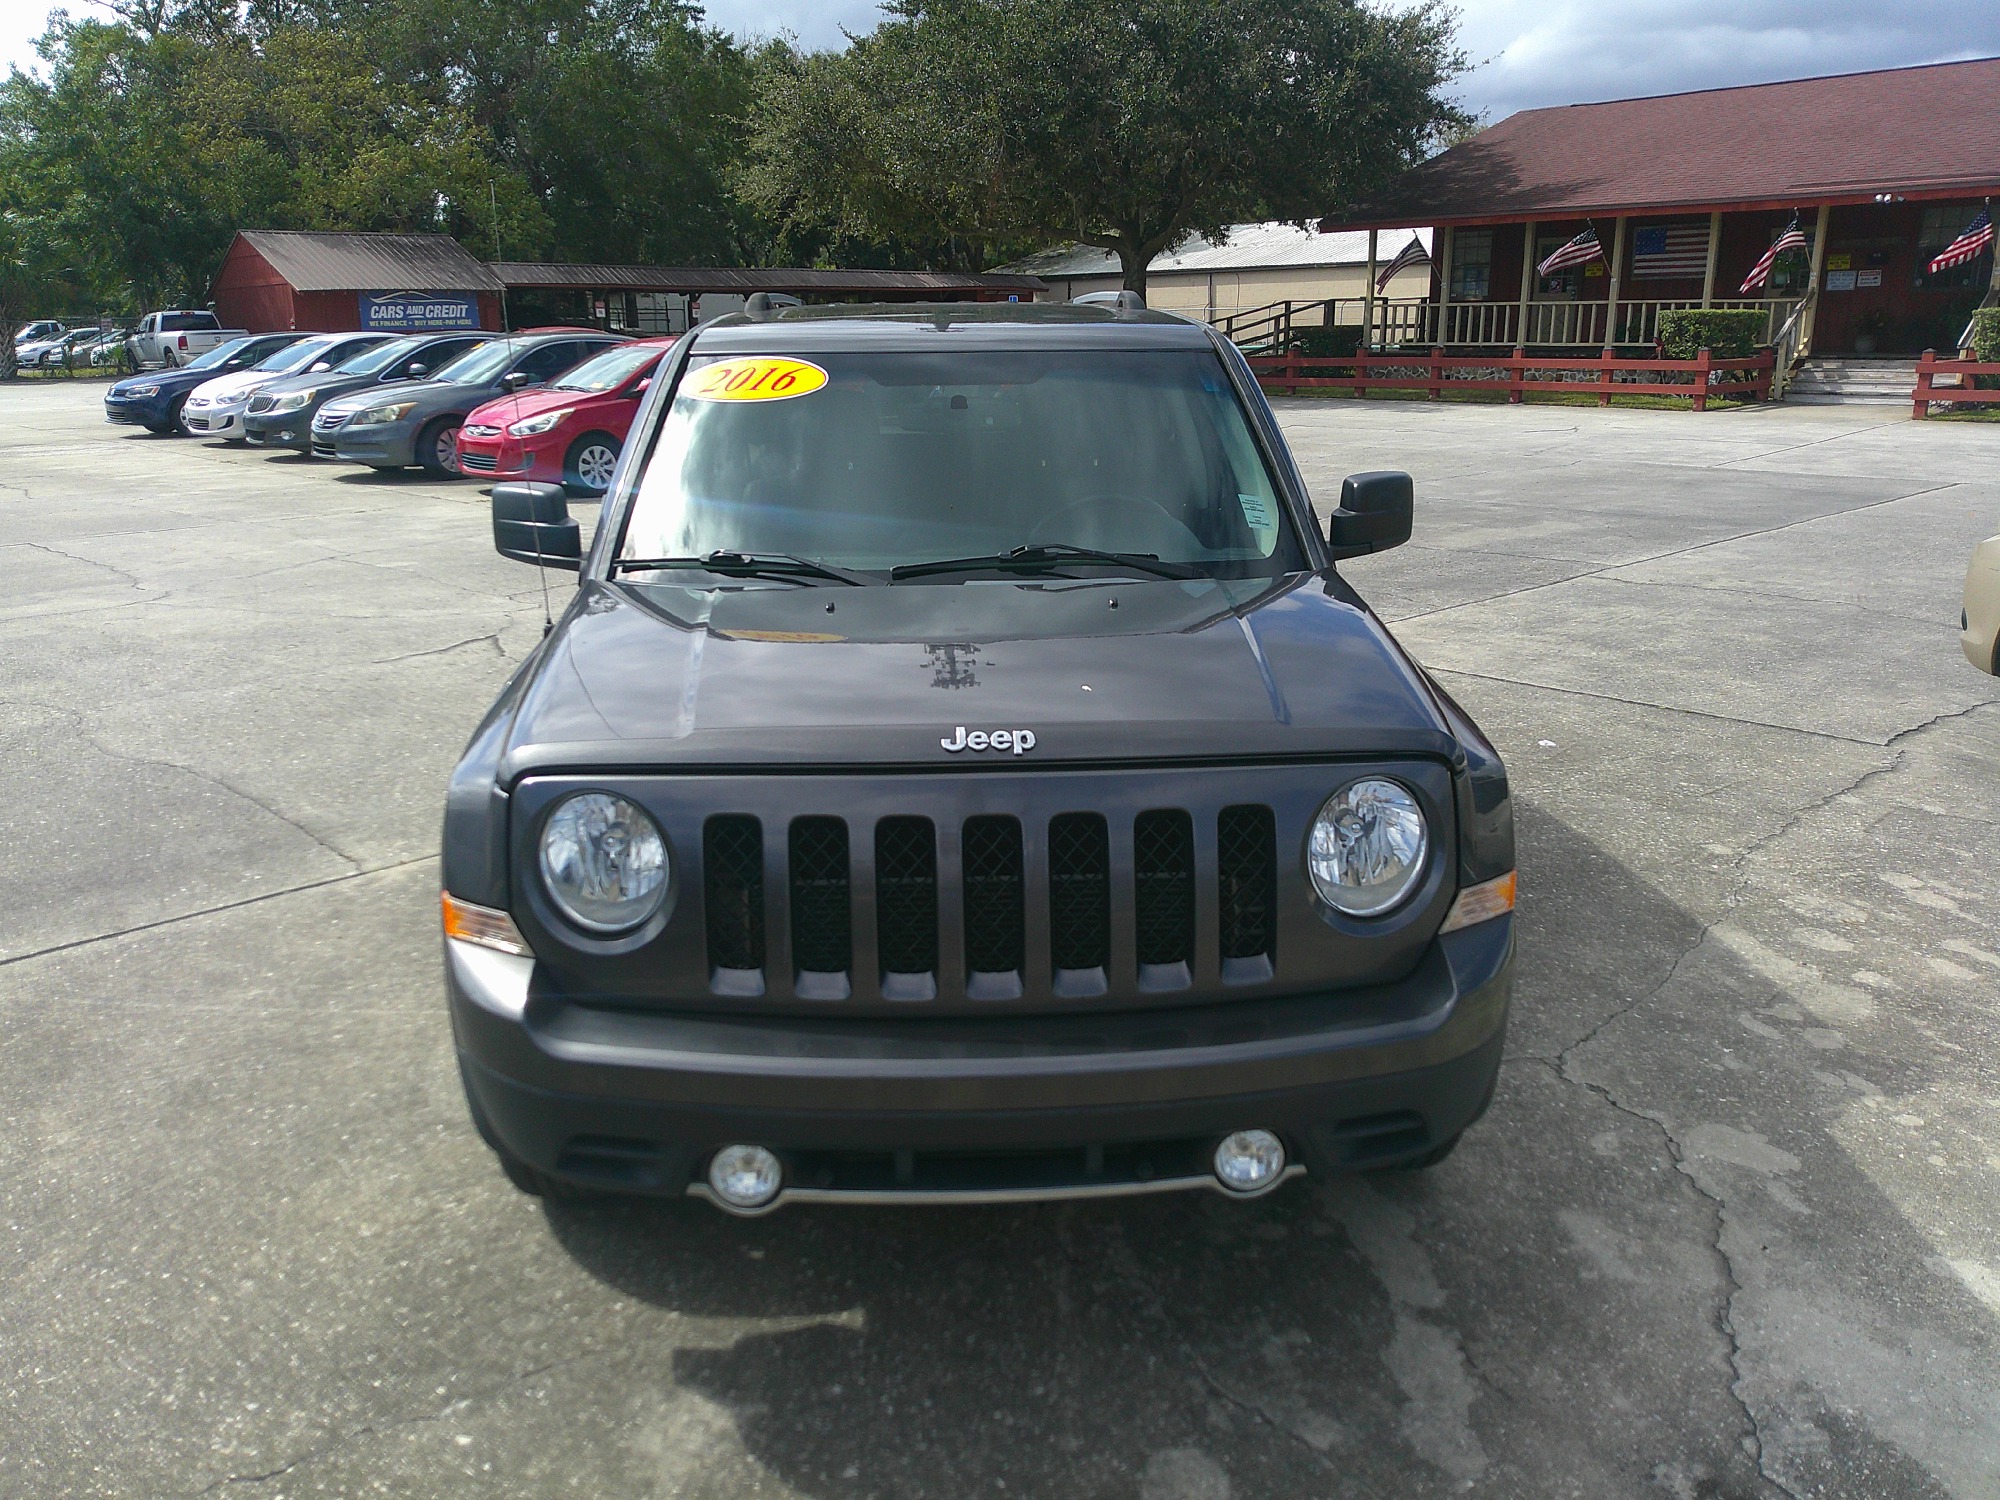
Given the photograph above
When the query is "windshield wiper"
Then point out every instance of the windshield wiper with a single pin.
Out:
(1036, 557)
(733, 564)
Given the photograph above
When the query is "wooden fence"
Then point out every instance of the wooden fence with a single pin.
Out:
(1704, 377)
(1958, 389)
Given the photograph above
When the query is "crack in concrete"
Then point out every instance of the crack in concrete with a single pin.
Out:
(130, 579)
(1605, 569)
(1664, 708)
(1726, 1310)
(209, 911)
(1901, 743)
(382, 1429)
(493, 636)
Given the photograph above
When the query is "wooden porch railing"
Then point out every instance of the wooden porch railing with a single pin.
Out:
(1519, 373)
(1491, 325)
(1959, 391)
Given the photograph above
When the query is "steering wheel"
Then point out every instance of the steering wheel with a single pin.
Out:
(1118, 523)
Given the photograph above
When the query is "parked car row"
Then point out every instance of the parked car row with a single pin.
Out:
(547, 403)
(48, 345)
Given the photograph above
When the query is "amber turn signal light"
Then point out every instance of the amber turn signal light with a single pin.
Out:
(1481, 903)
(484, 926)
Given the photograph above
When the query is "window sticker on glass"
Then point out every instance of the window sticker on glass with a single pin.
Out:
(754, 378)
(1257, 515)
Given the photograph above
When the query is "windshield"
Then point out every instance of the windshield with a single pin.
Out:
(296, 356)
(890, 459)
(610, 369)
(381, 356)
(482, 365)
(221, 354)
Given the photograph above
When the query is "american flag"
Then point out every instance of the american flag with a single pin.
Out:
(1669, 251)
(1409, 255)
(1794, 238)
(1978, 235)
(1583, 248)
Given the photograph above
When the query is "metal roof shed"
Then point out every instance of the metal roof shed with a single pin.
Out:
(335, 281)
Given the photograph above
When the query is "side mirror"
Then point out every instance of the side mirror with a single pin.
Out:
(532, 524)
(516, 379)
(1375, 513)
(641, 388)
(411, 372)
(321, 368)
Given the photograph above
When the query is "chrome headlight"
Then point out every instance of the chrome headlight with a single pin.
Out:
(603, 861)
(1367, 848)
(140, 390)
(378, 416)
(292, 400)
(536, 426)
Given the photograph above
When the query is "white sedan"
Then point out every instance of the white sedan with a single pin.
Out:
(1980, 620)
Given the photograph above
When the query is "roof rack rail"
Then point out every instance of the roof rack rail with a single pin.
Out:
(768, 304)
(1124, 302)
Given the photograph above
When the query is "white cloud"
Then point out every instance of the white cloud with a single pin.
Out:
(1541, 52)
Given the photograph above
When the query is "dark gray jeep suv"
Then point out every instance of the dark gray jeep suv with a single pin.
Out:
(961, 774)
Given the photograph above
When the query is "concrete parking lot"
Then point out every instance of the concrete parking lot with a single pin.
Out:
(1732, 1228)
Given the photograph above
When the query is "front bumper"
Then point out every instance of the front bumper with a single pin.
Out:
(389, 446)
(224, 422)
(141, 413)
(505, 458)
(1042, 1105)
(279, 429)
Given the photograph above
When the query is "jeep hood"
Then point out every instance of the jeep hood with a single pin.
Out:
(639, 676)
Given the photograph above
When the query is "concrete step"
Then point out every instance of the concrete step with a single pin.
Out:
(1839, 380)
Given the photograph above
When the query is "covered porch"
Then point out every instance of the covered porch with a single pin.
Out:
(1862, 285)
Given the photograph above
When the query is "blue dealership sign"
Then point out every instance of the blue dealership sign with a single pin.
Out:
(418, 310)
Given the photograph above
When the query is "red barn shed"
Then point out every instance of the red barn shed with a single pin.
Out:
(336, 282)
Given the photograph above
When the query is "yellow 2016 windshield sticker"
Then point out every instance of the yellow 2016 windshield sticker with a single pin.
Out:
(754, 378)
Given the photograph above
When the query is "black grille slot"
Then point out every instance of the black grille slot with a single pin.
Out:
(822, 932)
(992, 875)
(1079, 891)
(906, 908)
(1163, 886)
(1246, 864)
(733, 891)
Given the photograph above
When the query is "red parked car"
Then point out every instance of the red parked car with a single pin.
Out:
(567, 432)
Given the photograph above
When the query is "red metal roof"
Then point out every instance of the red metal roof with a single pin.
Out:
(1922, 132)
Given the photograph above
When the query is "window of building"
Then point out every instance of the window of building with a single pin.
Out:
(1471, 265)
(1943, 223)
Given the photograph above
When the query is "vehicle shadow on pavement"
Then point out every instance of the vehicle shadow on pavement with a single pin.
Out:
(1581, 1299)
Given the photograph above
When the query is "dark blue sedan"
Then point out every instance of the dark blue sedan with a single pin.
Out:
(154, 400)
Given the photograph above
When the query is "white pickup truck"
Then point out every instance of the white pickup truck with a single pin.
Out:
(174, 338)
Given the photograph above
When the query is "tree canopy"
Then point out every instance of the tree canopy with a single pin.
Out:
(957, 134)
(983, 122)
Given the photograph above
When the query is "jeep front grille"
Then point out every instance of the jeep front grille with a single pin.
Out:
(733, 865)
(1079, 902)
(822, 908)
(906, 907)
(1118, 899)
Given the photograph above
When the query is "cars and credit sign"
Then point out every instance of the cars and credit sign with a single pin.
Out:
(418, 310)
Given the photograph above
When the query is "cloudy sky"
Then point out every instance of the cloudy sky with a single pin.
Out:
(1529, 52)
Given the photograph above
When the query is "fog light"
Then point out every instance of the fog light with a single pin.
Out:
(1249, 1161)
(745, 1177)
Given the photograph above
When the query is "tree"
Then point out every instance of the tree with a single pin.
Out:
(991, 121)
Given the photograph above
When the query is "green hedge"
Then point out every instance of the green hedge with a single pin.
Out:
(1326, 343)
(1726, 332)
(1986, 335)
